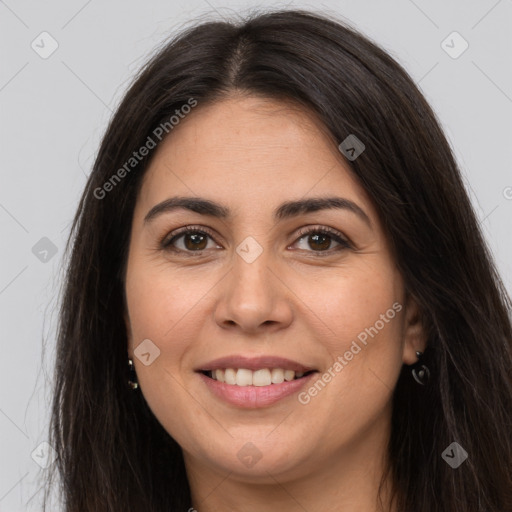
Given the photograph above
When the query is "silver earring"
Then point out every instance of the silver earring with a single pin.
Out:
(420, 371)
(132, 379)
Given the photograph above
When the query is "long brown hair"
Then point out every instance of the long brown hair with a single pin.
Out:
(112, 453)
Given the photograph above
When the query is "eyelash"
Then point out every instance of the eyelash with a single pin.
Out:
(168, 240)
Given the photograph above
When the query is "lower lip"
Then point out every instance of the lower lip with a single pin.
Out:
(252, 397)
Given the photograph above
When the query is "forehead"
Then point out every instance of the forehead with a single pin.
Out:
(249, 151)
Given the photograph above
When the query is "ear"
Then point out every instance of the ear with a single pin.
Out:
(415, 338)
(129, 336)
(128, 325)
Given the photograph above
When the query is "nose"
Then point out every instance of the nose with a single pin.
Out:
(252, 298)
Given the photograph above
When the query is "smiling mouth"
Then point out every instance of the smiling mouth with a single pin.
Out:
(263, 377)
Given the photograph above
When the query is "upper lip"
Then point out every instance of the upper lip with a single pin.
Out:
(254, 363)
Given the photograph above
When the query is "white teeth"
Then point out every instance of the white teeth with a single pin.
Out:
(243, 377)
(289, 375)
(277, 376)
(263, 377)
(230, 376)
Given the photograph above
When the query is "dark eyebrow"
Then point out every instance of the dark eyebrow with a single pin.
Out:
(195, 204)
(284, 211)
(313, 204)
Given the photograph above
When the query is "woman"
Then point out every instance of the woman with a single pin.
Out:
(278, 296)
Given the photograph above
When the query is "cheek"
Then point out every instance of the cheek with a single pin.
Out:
(361, 322)
(167, 309)
(170, 308)
(364, 316)
(159, 302)
(352, 303)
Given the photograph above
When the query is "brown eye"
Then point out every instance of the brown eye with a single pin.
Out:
(188, 240)
(320, 240)
(195, 241)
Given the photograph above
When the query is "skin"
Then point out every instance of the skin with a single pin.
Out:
(250, 154)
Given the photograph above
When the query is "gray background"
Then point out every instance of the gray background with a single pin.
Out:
(54, 110)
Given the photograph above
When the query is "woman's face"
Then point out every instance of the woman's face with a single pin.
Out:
(262, 275)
